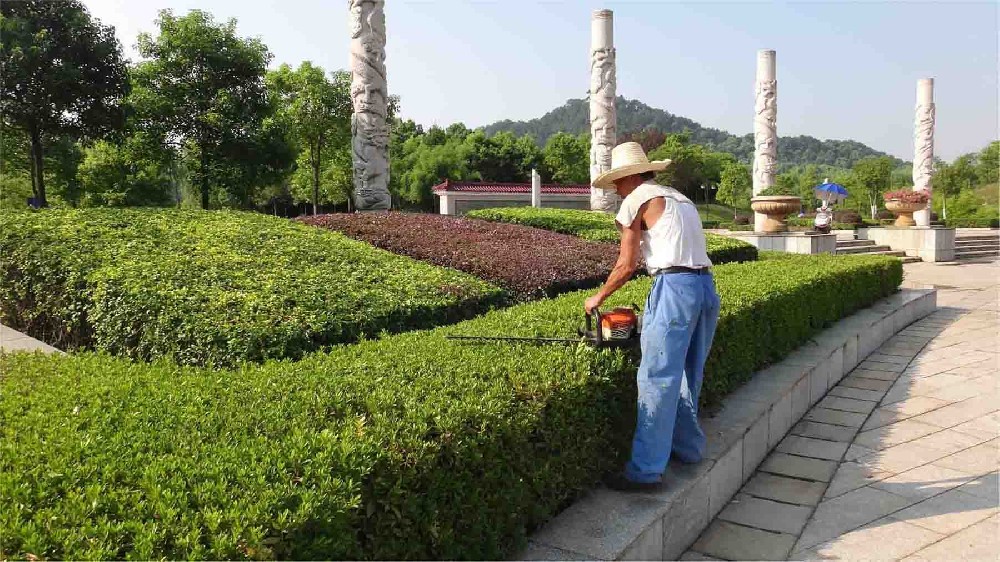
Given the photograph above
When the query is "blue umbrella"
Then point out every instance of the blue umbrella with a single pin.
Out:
(830, 192)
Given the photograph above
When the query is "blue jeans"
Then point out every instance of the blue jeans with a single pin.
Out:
(678, 324)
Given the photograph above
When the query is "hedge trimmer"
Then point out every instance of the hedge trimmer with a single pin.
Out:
(619, 327)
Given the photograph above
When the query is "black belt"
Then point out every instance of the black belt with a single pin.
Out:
(682, 269)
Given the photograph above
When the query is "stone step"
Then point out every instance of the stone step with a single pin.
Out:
(977, 240)
(854, 243)
(968, 255)
(911, 259)
(862, 249)
(977, 244)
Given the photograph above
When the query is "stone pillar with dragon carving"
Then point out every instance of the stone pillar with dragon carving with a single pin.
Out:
(603, 125)
(765, 129)
(923, 146)
(369, 94)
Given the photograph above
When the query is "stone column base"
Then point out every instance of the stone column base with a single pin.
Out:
(793, 242)
(930, 244)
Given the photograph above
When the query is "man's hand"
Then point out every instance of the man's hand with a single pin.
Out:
(593, 302)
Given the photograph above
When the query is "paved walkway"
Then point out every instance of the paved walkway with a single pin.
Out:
(12, 340)
(898, 461)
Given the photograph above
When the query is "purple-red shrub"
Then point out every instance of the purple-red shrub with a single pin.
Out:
(528, 262)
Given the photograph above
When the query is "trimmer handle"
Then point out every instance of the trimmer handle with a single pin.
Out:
(594, 319)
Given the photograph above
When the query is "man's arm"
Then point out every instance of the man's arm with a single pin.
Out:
(628, 260)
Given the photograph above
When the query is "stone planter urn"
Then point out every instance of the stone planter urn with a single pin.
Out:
(776, 207)
(904, 211)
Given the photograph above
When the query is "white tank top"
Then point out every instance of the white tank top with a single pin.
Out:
(676, 238)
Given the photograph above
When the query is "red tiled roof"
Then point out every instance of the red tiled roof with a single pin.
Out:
(494, 187)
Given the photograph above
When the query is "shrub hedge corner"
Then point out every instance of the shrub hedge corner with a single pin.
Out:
(213, 287)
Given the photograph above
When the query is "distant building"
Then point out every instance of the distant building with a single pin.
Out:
(458, 198)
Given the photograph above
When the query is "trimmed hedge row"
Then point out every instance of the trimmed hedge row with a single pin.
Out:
(530, 263)
(408, 447)
(213, 287)
(601, 227)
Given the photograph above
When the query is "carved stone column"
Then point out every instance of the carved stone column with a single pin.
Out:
(923, 145)
(536, 189)
(765, 129)
(603, 126)
(369, 130)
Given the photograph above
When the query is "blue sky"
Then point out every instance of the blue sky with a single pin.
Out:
(845, 69)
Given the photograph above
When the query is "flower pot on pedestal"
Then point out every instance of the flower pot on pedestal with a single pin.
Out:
(904, 211)
(904, 202)
(776, 207)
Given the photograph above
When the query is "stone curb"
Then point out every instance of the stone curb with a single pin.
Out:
(11, 340)
(609, 525)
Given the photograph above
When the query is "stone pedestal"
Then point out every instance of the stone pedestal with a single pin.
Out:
(765, 129)
(923, 146)
(603, 124)
(792, 242)
(927, 243)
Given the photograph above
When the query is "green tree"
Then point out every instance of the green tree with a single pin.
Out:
(988, 164)
(735, 186)
(692, 165)
(63, 75)
(502, 157)
(567, 158)
(319, 112)
(118, 175)
(202, 88)
(426, 165)
(951, 179)
(400, 132)
(871, 176)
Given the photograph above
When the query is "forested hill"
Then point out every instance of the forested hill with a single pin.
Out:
(635, 116)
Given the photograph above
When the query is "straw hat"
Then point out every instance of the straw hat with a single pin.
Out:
(628, 159)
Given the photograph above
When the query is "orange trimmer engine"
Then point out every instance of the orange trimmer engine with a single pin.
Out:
(619, 324)
(618, 327)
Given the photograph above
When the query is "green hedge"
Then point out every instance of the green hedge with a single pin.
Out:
(213, 287)
(601, 227)
(408, 447)
(972, 223)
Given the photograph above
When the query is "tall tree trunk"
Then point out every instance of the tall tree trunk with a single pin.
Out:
(315, 167)
(34, 180)
(38, 168)
(204, 178)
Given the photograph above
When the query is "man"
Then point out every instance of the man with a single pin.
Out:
(679, 319)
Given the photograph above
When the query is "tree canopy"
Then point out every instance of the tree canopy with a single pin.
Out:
(63, 77)
(318, 110)
(201, 88)
(648, 126)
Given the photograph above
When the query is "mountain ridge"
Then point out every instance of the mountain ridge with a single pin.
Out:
(634, 116)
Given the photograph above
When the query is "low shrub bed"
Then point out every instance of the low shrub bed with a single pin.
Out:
(972, 223)
(530, 263)
(408, 447)
(601, 227)
(213, 287)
